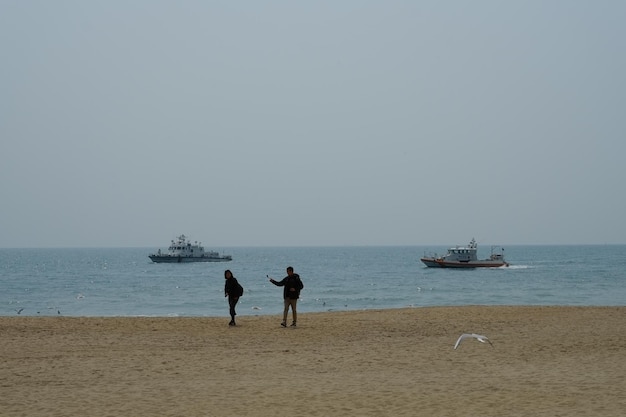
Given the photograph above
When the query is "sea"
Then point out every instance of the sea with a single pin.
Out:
(91, 282)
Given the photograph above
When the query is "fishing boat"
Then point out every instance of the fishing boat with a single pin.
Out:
(466, 257)
(181, 250)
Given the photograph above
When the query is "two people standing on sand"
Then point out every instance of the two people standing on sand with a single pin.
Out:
(292, 286)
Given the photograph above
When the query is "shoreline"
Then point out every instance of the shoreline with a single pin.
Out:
(244, 311)
(545, 360)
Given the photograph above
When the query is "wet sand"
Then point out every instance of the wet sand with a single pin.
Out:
(545, 361)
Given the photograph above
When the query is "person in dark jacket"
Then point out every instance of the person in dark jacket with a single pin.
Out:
(292, 286)
(233, 290)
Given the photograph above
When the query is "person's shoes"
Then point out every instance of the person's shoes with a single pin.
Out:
(232, 323)
(293, 324)
(283, 324)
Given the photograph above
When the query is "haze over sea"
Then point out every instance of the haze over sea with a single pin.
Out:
(124, 282)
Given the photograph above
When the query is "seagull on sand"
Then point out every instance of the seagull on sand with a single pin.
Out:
(480, 338)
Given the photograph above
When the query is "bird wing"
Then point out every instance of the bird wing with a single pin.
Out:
(482, 339)
(458, 341)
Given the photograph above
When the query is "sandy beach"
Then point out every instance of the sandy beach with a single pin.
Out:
(545, 361)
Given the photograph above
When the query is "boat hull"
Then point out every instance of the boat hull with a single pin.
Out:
(186, 259)
(430, 262)
(442, 263)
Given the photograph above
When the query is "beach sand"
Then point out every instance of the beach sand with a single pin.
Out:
(545, 361)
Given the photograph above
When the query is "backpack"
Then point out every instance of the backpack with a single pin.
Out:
(239, 290)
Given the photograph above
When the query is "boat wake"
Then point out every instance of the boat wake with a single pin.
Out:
(516, 267)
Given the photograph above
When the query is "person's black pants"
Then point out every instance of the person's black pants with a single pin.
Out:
(232, 302)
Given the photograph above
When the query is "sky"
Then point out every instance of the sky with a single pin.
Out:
(327, 123)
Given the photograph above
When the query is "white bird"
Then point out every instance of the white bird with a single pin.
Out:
(480, 338)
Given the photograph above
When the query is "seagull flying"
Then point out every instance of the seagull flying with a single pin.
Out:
(480, 338)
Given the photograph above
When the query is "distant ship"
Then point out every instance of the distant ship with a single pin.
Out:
(181, 250)
(465, 257)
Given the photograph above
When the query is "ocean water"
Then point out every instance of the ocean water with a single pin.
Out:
(124, 282)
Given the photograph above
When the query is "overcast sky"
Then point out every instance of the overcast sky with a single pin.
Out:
(280, 123)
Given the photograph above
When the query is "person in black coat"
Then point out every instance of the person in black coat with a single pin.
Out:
(233, 290)
(292, 286)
